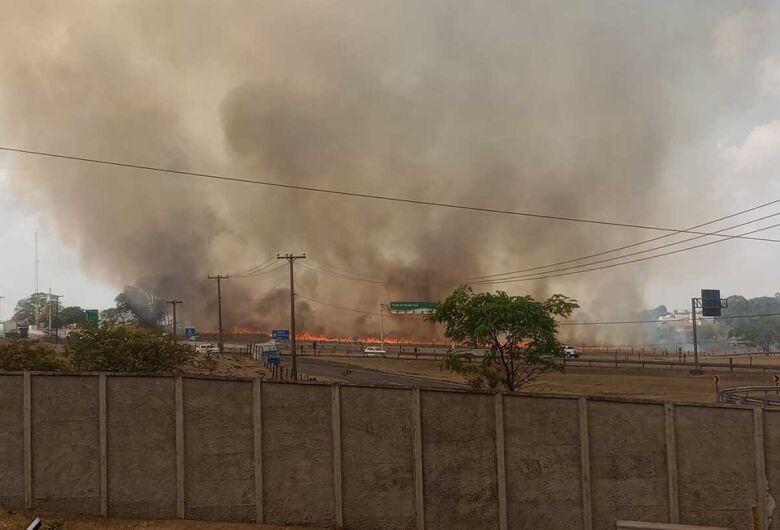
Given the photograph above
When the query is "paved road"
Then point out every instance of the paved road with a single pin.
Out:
(363, 376)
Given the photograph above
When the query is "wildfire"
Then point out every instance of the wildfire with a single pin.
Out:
(321, 337)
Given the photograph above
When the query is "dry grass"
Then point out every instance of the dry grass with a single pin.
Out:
(649, 383)
(10, 519)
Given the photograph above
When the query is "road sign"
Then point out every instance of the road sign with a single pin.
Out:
(91, 318)
(418, 308)
(777, 379)
(190, 332)
(280, 334)
(710, 302)
(716, 379)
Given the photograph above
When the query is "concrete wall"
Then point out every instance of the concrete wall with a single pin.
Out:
(367, 457)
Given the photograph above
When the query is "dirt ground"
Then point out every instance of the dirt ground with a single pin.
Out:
(14, 520)
(649, 383)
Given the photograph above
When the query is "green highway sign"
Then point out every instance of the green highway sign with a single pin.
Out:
(421, 308)
(91, 318)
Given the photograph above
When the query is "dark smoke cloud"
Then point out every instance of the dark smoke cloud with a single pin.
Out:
(569, 107)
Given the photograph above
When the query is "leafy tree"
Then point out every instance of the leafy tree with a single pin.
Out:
(117, 316)
(28, 355)
(124, 348)
(147, 309)
(520, 332)
(71, 315)
(32, 307)
(763, 334)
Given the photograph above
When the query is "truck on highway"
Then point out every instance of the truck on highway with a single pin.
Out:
(267, 352)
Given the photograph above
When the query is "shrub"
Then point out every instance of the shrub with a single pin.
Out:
(124, 348)
(27, 355)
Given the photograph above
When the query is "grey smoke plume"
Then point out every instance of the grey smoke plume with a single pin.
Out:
(570, 107)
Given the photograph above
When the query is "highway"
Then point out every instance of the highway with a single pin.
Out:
(347, 373)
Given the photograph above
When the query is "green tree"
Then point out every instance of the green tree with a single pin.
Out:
(519, 331)
(32, 307)
(71, 315)
(147, 309)
(762, 334)
(125, 348)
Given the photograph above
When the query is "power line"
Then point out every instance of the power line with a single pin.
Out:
(263, 272)
(255, 268)
(610, 322)
(542, 276)
(343, 193)
(625, 247)
(660, 247)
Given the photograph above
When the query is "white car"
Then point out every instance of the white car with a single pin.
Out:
(373, 351)
(570, 353)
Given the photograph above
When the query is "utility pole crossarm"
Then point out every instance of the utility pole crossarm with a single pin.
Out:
(291, 260)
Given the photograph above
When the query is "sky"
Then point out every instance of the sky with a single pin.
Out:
(702, 77)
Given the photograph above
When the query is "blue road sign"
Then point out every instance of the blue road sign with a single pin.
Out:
(281, 334)
(190, 332)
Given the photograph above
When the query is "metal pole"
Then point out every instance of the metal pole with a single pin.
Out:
(1, 308)
(695, 337)
(49, 310)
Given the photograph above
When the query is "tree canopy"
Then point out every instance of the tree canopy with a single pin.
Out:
(520, 334)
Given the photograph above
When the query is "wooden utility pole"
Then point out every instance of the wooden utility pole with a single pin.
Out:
(174, 303)
(291, 260)
(219, 279)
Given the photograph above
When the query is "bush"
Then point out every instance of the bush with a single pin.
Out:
(27, 355)
(121, 348)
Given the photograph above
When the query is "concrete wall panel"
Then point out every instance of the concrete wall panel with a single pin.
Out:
(65, 443)
(11, 442)
(219, 450)
(542, 445)
(297, 454)
(716, 466)
(627, 463)
(459, 460)
(141, 433)
(377, 461)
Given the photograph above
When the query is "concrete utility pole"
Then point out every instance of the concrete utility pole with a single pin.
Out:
(1, 308)
(696, 368)
(291, 260)
(381, 329)
(174, 303)
(219, 279)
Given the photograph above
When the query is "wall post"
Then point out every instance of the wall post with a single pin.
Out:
(587, 519)
(338, 505)
(179, 395)
(761, 481)
(103, 408)
(501, 463)
(671, 463)
(419, 500)
(257, 428)
(27, 418)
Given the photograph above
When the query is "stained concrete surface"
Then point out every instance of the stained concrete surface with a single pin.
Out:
(11, 442)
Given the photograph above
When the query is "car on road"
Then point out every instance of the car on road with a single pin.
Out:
(208, 348)
(374, 351)
(570, 353)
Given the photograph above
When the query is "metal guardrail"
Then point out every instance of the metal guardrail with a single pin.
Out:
(764, 396)
(627, 363)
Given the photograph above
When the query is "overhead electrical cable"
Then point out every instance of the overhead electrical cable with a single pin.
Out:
(344, 193)
(606, 260)
(544, 276)
(255, 268)
(624, 247)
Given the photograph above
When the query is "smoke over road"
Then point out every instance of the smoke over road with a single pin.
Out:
(558, 107)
